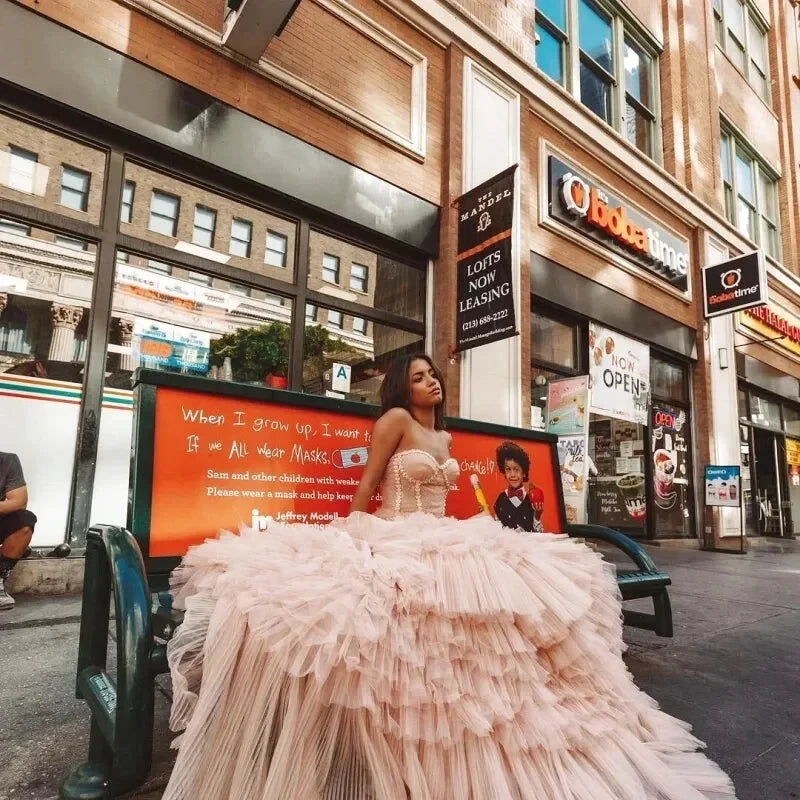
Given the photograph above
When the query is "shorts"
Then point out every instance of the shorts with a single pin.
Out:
(11, 523)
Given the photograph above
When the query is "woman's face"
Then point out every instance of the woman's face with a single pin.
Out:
(426, 391)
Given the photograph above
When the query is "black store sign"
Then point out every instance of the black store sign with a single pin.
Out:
(586, 206)
(485, 311)
(735, 284)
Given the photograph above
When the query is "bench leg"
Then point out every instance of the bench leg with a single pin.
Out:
(91, 781)
(663, 613)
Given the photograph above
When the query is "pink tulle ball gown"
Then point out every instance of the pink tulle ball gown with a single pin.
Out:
(407, 655)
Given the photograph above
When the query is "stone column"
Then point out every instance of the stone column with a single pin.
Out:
(65, 320)
(125, 333)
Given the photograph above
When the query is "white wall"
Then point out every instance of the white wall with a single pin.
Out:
(724, 408)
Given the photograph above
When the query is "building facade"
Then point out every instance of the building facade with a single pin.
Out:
(169, 182)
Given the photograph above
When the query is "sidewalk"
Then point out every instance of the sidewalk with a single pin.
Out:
(732, 671)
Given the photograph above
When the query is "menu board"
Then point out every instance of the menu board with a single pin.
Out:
(221, 462)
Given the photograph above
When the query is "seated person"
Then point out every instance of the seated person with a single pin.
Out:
(16, 522)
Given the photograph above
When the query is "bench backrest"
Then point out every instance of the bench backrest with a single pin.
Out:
(212, 455)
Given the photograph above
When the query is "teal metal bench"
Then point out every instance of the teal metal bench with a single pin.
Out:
(122, 710)
(644, 581)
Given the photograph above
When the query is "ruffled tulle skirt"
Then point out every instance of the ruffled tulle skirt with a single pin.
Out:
(420, 658)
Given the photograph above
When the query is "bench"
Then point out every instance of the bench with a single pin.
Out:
(120, 564)
(644, 581)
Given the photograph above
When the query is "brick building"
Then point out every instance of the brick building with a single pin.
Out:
(166, 173)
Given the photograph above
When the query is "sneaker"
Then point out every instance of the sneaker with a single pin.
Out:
(6, 600)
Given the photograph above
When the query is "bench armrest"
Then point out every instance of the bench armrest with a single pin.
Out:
(635, 552)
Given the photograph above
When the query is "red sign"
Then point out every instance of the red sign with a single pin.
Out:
(221, 462)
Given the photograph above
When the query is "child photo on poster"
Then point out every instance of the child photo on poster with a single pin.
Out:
(516, 506)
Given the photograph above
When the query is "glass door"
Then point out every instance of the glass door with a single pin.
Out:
(768, 484)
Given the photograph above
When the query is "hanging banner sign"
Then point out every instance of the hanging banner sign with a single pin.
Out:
(583, 204)
(620, 375)
(485, 294)
(735, 284)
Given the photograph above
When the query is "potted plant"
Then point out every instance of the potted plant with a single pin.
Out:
(257, 354)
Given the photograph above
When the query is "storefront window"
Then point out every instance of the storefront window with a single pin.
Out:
(668, 380)
(554, 342)
(765, 412)
(344, 271)
(195, 324)
(741, 401)
(192, 219)
(45, 295)
(335, 338)
(791, 420)
(617, 493)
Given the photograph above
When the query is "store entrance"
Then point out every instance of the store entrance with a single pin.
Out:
(771, 507)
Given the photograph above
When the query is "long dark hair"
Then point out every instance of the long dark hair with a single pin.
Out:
(396, 386)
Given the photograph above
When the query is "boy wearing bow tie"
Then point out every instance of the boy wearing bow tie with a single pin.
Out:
(518, 507)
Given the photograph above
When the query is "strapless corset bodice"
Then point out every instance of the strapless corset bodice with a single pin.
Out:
(416, 481)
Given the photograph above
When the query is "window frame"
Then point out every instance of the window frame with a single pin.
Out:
(267, 249)
(248, 242)
(83, 174)
(623, 26)
(330, 323)
(21, 152)
(736, 146)
(751, 18)
(174, 219)
(364, 282)
(338, 269)
(212, 231)
(129, 203)
(363, 326)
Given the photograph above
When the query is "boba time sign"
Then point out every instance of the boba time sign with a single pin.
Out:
(597, 213)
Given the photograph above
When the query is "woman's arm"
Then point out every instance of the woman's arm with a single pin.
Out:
(386, 436)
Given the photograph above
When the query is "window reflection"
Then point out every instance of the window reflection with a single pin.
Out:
(367, 347)
(169, 318)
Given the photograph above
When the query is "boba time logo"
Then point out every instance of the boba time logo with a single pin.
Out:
(583, 200)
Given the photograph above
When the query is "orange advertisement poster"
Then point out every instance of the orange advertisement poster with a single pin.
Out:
(221, 462)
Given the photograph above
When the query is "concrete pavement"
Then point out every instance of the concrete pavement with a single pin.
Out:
(732, 671)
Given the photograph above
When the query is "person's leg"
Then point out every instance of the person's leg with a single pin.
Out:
(16, 531)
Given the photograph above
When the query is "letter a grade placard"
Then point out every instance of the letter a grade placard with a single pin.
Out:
(485, 295)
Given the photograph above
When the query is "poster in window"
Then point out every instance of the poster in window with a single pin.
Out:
(573, 466)
(567, 401)
(670, 447)
(620, 375)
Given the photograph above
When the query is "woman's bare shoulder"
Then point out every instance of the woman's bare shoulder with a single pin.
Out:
(394, 418)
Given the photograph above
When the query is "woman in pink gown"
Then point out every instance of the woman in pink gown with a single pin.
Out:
(407, 655)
